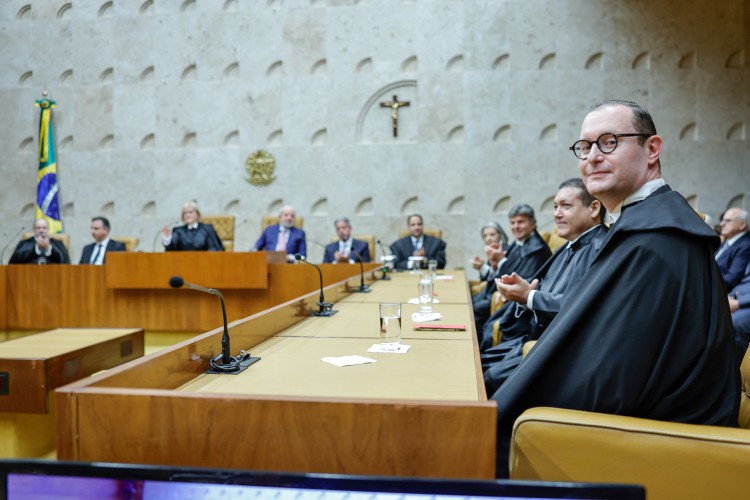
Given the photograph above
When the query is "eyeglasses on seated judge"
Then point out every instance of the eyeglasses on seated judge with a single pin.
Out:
(606, 143)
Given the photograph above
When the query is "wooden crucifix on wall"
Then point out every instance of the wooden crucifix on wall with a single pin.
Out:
(394, 105)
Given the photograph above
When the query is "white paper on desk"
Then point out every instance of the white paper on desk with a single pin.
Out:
(354, 359)
(439, 277)
(419, 317)
(402, 348)
(416, 301)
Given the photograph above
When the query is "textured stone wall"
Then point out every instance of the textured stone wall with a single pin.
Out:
(162, 101)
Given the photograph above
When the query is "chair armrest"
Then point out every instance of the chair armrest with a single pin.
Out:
(671, 460)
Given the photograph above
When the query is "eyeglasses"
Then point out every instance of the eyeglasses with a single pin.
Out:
(606, 143)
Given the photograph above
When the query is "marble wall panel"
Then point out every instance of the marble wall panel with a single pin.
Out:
(497, 93)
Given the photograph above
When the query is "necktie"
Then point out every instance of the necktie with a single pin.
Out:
(721, 250)
(96, 253)
(281, 244)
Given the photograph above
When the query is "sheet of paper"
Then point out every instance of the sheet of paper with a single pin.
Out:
(416, 301)
(419, 317)
(403, 348)
(354, 359)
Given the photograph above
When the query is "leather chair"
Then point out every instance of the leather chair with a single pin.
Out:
(552, 240)
(672, 460)
(368, 238)
(224, 227)
(64, 237)
(270, 220)
(131, 242)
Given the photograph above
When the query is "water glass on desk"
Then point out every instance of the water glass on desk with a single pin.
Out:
(390, 326)
(432, 266)
(426, 293)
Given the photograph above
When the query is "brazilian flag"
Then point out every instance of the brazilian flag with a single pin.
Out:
(47, 204)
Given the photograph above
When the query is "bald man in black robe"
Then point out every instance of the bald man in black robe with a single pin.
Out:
(649, 332)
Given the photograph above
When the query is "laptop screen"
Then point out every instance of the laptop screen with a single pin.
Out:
(22, 479)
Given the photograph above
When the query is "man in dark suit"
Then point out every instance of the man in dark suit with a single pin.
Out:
(96, 253)
(418, 244)
(194, 235)
(739, 304)
(734, 254)
(284, 237)
(347, 250)
(40, 248)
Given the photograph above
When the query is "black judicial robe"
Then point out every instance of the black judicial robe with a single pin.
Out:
(25, 253)
(556, 279)
(523, 260)
(648, 334)
(203, 237)
(561, 271)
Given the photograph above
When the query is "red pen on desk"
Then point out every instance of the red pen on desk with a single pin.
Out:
(438, 327)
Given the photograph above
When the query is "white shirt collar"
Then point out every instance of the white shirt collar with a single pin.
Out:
(103, 243)
(734, 238)
(570, 243)
(194, 225)
(642, 193)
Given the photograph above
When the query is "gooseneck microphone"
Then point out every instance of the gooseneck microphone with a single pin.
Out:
(224, 363)
(387, 258)
(2, 254)
(362, 287)
(326, 308)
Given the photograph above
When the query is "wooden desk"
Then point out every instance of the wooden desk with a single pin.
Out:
(32, 367)
(424, 413)
(404, 285)
(45, 297)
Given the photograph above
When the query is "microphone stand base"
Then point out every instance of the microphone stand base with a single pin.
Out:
(324, 314)
(243, 365)
(362, 289)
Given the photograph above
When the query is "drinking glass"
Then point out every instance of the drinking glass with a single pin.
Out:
(390, 326)
(426, 292)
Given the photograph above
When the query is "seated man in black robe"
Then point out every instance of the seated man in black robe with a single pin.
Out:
(530, 307)
(524, 256)
(40, 248)
(648, 332)
(418, 244)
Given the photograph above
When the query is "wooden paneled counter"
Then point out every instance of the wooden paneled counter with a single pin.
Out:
(422, 413)
(135, 291)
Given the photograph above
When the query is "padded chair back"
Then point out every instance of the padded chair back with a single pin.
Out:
(745, 394)
(552, 240)
(368, 238)
(270, 220)
(131, 242)
(224, 227)
(64, 237)
(437, 233)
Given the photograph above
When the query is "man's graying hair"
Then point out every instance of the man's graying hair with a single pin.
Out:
(522, 209)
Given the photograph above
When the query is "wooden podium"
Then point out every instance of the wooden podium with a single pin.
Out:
(132, 290)
(220, 270)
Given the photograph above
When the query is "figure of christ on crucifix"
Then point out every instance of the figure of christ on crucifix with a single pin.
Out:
(394, 105)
